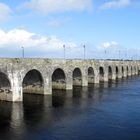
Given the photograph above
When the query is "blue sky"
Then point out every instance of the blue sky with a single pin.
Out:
(108, 28)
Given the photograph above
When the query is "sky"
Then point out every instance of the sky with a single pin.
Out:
(109, 29)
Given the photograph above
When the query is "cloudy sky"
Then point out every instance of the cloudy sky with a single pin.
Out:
(107, 28)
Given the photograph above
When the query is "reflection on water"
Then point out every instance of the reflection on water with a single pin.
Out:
(58, 97)
(100, 111)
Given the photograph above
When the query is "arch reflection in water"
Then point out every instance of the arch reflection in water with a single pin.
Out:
(58, 98)
(33, 108)
(5, 119)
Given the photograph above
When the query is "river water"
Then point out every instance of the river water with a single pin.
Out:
(109, 111)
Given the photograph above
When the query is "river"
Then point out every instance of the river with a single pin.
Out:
(106, 111)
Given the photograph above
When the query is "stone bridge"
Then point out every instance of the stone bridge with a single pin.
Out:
(40, 76)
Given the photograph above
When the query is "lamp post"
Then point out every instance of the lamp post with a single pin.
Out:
(119, 54)
(84, 51)
(125, 55)
(64, 47)
(105, 54)
(22, 52)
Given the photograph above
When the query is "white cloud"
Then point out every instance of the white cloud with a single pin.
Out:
(54, 22)
(5, 12)
(50, 46)
(55, 6)
(115, 4)
(19, 37)
(109, 45)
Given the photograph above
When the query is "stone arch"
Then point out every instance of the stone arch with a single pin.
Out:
(4, 80)
(117, 71)
(77, 77)
(122, 69)
(101, 73)
(138, 70)
(58, 79)
(33, 82)
(91, 75)
(5, 86)
(127, 70)
(131, 70)
(110, 73)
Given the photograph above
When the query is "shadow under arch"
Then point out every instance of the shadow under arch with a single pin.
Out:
(138, 70)
(91, 75)
(127, 71)
(122, 71)
(101, 74)
(5, 87)
(77, 77)
(131, 70)
(109, 73)
(59, 79)
(117, 72)
(33, 82)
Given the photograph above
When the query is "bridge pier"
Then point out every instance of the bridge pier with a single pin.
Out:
(120, 74)
(114, 77)
(129, 71)
(136, 71)
(124, 75)
(106, 77)
(47, 86)
(17, 92)
(85, 80)
(96, 79)
(69, 86)
(133, 73)
(106, 74)
(114, 73)
(69, 81)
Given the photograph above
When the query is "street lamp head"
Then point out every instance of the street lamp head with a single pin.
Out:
(64, 50)
(84, 46)
(22, 51)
